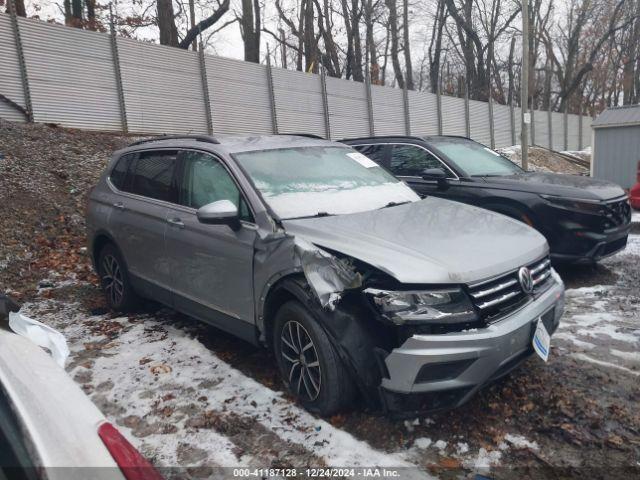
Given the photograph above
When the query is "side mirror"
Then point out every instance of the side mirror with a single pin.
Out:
(222, 212)
(437, 174)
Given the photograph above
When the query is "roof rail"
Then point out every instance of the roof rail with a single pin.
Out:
(198, 138)
(308, 135)
(380, 137)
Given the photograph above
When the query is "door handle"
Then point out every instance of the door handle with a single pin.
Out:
(175, 221)
(119, 205)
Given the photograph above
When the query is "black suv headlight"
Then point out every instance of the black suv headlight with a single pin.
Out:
(578, 205)
(406, 307)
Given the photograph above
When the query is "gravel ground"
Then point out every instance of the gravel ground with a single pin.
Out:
(544, 160)
(190, 396)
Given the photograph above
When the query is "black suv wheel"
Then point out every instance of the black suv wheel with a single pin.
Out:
(114, 280)
(310, 367)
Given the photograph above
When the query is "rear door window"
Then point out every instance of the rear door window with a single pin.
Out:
(153, 175)
(411, 161)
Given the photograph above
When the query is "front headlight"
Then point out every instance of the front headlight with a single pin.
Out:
(423, 306)
(593, 207)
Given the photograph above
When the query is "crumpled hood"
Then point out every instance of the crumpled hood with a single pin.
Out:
(574, 186)
(430, 241)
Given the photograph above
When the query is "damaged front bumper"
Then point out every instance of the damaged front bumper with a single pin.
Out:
(431, 372)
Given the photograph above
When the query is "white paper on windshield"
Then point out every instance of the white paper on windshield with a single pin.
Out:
(492, 152)
(362, 159)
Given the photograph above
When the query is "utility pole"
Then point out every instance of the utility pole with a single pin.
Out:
(526, 117)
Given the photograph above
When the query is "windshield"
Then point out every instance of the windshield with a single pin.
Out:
(310, 181)
(474, 159)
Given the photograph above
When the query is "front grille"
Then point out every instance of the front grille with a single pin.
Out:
(498, 296)
(617, 213)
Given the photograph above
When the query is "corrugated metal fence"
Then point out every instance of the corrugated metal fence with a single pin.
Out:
(97, 81)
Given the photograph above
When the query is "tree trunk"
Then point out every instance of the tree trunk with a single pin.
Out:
(309, 39)
(21, 11)
(77, 17)
(407, 49)
(167, 23)
(393, 31)
(356, 14)
(374, 66)
(435, 46)
(250, 23)
(350, 60)
(192, 22)
(67, 12)
(92, 24)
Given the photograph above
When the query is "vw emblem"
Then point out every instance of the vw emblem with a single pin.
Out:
(526, 282)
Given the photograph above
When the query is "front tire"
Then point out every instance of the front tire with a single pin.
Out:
(114, 279)
(309, 364)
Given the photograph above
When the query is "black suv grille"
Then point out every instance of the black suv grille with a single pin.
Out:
(617, 213)
(498, 296)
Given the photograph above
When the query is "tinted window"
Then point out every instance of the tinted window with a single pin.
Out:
(411, 161)
(119, 172)
(153, 175)
(206, 181)
(374, 152)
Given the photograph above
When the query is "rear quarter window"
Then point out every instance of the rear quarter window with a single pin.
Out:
(119, 173)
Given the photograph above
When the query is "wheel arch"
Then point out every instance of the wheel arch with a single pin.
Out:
(350, 327)
(511, 208)
(100, 239)
(291, 286)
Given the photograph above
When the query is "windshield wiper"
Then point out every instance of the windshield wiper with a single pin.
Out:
(317, 215)
(395, 204)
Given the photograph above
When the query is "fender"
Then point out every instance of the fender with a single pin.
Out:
(351, 328)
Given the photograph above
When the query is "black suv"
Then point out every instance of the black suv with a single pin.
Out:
(583, 219)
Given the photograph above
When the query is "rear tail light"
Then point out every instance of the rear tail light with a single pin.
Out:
(132, 464)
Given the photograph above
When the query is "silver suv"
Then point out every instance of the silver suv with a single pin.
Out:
(308, 247)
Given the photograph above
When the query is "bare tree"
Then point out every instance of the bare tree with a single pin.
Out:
(166, 20)
(579, 54)
(352, 15)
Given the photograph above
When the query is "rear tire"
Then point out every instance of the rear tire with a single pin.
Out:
(114, 279)
(309, 364)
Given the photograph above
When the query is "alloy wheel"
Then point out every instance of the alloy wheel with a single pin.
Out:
(301, 359)
(112, 280)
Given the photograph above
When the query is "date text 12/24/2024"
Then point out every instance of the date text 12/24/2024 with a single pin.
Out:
(320, 472)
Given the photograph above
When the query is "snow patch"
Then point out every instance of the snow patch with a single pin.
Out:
(185, 365)
(422, 443)
(519, 441)
(602, 363)
(483, 462)
(633, 356)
